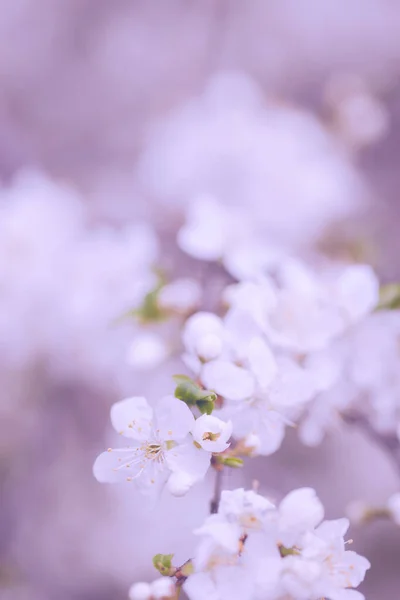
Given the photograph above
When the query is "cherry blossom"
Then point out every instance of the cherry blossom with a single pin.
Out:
(162, 450)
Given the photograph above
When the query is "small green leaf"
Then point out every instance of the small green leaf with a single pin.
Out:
(163, 564)
(389, 297)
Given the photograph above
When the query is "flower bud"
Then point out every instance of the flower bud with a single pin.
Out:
(162, 588)
(140, 591)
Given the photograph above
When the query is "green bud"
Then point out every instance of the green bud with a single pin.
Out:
(193, 394)
(389, 297)
(163, 564)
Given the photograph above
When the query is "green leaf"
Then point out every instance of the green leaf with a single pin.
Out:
(389, 297)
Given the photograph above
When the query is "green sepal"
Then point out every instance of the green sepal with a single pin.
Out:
(163, 564)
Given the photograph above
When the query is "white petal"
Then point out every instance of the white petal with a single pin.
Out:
(260, 425)
(223, 533)
(333, 529)
(207, 230)
(301, 509)
(292, 385)
(118, 465)
(200, 586)
(188, 465)
(132, 417)
(261, 361)
(163, 587)
(228, 380)
(358, 291)
(235, 583)
(174, 418)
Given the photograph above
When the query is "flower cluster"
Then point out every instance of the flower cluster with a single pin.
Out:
(273, 351)
(253, 550)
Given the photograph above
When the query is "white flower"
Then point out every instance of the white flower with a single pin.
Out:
(162, 449)
(251, 550)
(181, 295)
(211, 433)
(325, 568)
(261, 419)
(160, 589)
(147, 351)
(244, 507)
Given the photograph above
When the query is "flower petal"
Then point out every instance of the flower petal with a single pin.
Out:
(188, 465)
(174, 418)
(228, 380)
(118, 465)
(261, 361)
(132, 417)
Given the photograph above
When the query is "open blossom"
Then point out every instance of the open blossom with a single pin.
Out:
(262, 392)
(251, 550)
(211, 433)
(162, 449)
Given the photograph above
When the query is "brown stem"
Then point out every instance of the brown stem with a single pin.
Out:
(214, 504)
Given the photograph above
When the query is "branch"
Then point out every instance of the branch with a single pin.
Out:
(214, 504)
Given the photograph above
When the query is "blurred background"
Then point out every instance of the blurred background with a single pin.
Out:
(114, 116)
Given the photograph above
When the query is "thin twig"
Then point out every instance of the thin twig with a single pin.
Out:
(214, 504)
